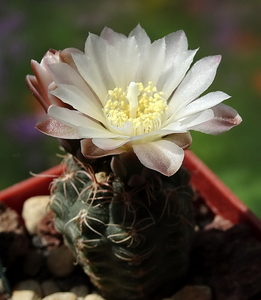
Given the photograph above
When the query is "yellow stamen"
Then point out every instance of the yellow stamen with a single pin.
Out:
(143, 107)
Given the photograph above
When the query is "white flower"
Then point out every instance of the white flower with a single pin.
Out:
(128, 94)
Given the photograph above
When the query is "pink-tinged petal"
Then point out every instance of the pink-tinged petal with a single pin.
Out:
(66, 56)
(196, 81)
(41, 82)
(38, 91)
(225, 117)
(108, 144)
(87, 128)
(183, 140)
(89, 150)
(162, 156)
(57, 129)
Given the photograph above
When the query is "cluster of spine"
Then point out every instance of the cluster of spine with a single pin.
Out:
(132, 241)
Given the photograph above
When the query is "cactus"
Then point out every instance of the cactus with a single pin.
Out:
(131, 234)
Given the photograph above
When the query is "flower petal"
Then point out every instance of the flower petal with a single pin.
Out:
(154, 61)
(183, 140)
(108, 144)
(89, 150)
(77, 99)
(87, 128)
(177, 61)
(114, 38)
(142, 39)
(144, 44)
(93, 66)
(172, 77)
(162, 156)
(57, 129)
(63, 74)
(225, 117)
(205, 102)
(197, 118)
(197, 80)
(123, 62)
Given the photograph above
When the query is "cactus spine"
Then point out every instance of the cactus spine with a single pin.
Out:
(132, 233)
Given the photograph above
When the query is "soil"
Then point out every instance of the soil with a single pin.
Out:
(224, 256)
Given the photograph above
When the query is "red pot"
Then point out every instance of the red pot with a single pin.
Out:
(216, 195)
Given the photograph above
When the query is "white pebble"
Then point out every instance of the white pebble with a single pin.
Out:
(34, 210)
(93, 297)
(27, 290)
(61, 296)
(80, 290)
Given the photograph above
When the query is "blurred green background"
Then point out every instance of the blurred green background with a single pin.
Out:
(232, 28)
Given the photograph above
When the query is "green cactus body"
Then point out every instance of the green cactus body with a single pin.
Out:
(131, 236)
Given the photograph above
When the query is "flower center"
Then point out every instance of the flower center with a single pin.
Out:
(142, 107)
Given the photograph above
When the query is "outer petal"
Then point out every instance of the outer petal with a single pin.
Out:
(197, 80)
(87, 128)
(108, 144)
(57, 129)
(89, 150)
(183, 140)
(225, 117)
(162, 156)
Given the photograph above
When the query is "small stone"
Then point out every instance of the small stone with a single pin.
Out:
(80, 290)
(61, 296)
(49, 287)
(196, 292)
(27, 290)
(219, 223)
(60, 262)
(33, 262)
(93, 297)
(33, 210)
